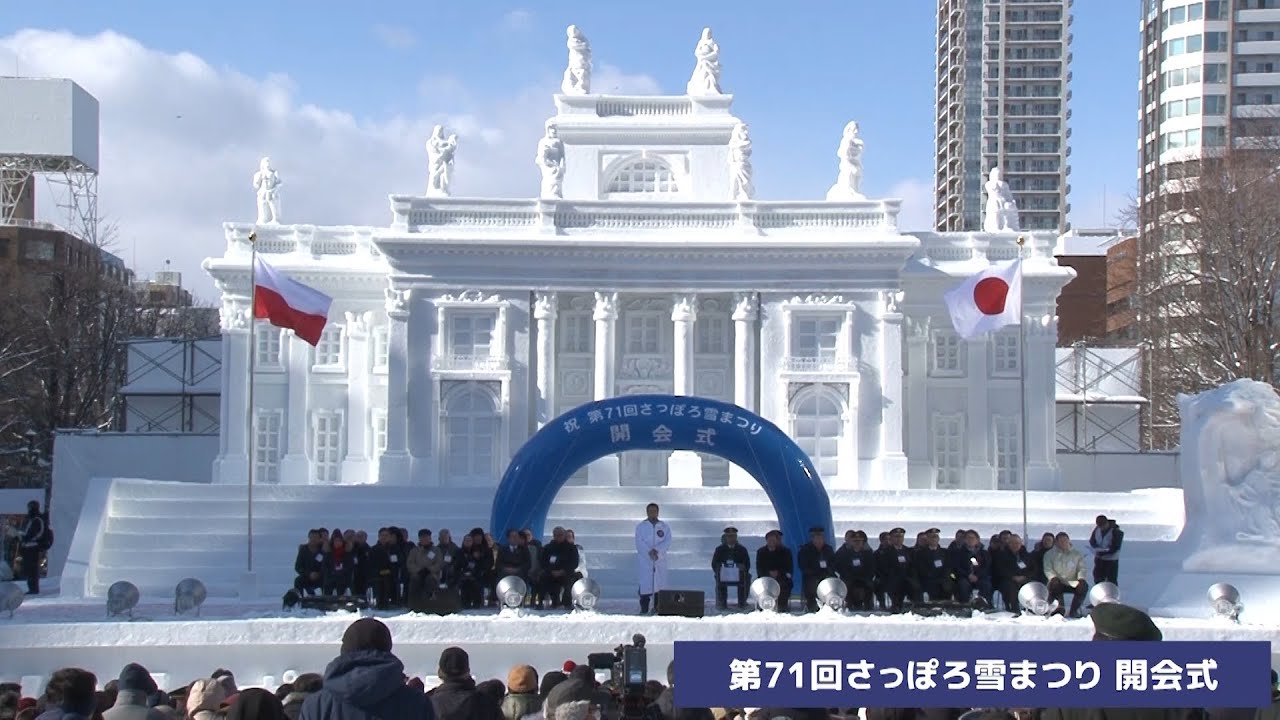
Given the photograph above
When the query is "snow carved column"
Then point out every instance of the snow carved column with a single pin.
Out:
(979, 473)
(920, 470)
(395, 464)
(605, 471)
(746, 310)
(684, 468)
(893, 462)
(355, 466)
(232, 464)
(294, 466)
(1043, 472)
(544, 314)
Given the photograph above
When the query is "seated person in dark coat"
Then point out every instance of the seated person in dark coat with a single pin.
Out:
(856, 566)
(559, 569)
(731, 567)
(817, 563)
(971, 569)
(930, 563)
(894, 572)
(775, 560)
(1015, 567)
(309, 565)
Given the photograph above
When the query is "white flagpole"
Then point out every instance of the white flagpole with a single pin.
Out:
(253, 358)
(1022, 383)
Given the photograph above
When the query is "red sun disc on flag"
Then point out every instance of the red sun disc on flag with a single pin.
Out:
(990, 294)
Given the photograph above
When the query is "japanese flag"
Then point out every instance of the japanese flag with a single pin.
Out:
(988, 301)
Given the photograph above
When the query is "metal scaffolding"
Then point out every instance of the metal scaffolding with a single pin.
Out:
(1100, 405)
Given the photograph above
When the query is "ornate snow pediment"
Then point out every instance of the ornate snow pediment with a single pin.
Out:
(644, 368)
(711, 305)
(647, 304)
(580, 303)
(472, 297)
(818, 300)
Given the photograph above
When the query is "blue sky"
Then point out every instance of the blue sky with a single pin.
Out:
(798, 74)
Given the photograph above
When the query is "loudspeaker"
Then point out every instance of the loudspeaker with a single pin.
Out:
(445, 601)
(681, 603)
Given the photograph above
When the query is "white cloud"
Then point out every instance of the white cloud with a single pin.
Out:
(396, 37)
(917, 204)
(181, 139)
(517, 20)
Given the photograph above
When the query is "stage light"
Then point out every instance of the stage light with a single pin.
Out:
(586, 593)
(189, 595)
(11, 597)
(1104, 592)
(831, 593)
(765, 592)
(122, 598)
(1034, 598)
(511, 590)
(1225, 600)
(289, 677)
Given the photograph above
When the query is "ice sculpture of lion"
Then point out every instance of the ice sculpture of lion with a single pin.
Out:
(1231, 478)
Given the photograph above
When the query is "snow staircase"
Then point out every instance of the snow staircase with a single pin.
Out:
(154, 534)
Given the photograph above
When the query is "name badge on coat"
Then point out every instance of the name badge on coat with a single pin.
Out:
(857, 562)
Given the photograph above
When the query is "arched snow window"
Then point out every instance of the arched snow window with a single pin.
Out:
(646, 175)
(471, 426)
(818, 423)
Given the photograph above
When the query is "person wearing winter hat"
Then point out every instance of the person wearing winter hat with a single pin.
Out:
(304, 686)
(568, 666)
(205, 698)
(581, 685)
(256, 704)
(134, 688)
(366, 681)
(456, 697)
(522, 693)
(549, 683)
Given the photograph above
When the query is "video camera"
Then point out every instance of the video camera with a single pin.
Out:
(628, 666)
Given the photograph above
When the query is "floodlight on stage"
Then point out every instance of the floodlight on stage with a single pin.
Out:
(765, 592)
(586, 593)
(189, 595)
(122, 598)
(1225, 600)
(1034, 598)
(1104, 592)
(512, 590)
(11, 597)
(289, 676)
(831, 593)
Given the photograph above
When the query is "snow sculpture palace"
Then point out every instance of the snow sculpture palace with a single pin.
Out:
(644, 265)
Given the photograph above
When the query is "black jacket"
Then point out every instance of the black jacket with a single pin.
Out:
(366, 685)
(339, 572)
(737, 555)
(473, 564)
(385, 561)
(32, 531)
(560, 556)
(779, 559)
(665, 707)
(894, 563)
(518, 558)
(930, 564)
(962, 563)
(863, 569)
(459, 700)
(309, 561)
(1004, 564)
(817, 564)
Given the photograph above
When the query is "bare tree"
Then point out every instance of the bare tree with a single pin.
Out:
(1209, 279)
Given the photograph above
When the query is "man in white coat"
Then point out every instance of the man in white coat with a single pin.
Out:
(653, 539)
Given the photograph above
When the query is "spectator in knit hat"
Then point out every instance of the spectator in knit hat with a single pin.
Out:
(303, 687)
(522, 693)
(456, 697)
(581, 685)
(577, 710)
(366, 682)
(549, 683)
(72, 695)
(256, 704)
(132, 691)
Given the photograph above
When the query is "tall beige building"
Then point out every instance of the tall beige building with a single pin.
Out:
(1002, 96)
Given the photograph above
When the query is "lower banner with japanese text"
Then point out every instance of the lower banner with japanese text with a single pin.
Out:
(972, 674)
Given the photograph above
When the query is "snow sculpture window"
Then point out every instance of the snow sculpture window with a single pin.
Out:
(326, 446)
(381, 347)
(266, 453)
(379, 431)
(644, 333)
(817, 426)
(1008, 432)
(712, 335)
(948, 451)
(1004, 354)
(946, 356)
(267, 338)
(471, 334)
(329, 349)
(815, 336)
(645, 175)
(471, 425)
(575, 332)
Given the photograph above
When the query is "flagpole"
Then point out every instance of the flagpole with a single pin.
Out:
(253, 359)
(1022, 384)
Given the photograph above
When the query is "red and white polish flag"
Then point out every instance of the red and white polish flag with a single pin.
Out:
(988, 301)
(287, 303)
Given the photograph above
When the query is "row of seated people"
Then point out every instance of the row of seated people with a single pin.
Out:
(893, 574)
(394, 571)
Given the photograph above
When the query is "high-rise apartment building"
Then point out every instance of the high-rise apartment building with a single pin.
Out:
(1002, 96)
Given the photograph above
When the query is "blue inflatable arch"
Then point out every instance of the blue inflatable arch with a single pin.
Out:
(661, 422)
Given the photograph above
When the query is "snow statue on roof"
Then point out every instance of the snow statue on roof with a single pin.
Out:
(440, 151)
(550, 161)
(1231, 478)
(1002, 211)
(741, 187)
(706, 73)
(266, 182)
(577, 77)
(849, 182)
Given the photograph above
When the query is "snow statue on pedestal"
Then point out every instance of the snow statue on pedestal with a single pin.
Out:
(740, 164)
(266, 182)
(706, 73)
(550, 161)
(1231, 478)
(440, 151)
(849, 182)
(1002, 211)
(577, 77)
